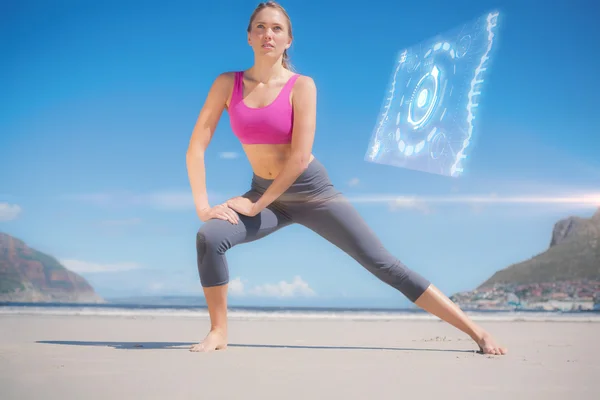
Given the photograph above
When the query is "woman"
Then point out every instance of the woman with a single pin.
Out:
(273, 112)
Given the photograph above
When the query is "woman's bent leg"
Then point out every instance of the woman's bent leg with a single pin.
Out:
(217, 236)
(213, 240)
(339, 222)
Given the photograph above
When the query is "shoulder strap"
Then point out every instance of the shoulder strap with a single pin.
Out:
(287, 88)
(290, 83)
(238, 88)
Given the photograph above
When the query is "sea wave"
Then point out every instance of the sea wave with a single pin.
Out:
(287, 314)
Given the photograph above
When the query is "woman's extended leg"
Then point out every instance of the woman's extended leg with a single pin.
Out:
(438, 304)
(214, 238)
(339, 222)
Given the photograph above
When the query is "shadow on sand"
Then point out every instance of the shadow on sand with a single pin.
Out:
(186, 345)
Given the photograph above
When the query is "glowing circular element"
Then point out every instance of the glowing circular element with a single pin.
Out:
(422, 98)
(418, 115)
(437, 147)
(431, 102)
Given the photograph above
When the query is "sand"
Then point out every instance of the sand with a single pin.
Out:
(112, 357)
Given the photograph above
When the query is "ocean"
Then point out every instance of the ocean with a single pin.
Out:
(281, 313)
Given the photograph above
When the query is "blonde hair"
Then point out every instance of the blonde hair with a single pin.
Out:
(286, 58)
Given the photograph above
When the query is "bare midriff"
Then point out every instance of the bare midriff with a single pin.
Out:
(267, 160)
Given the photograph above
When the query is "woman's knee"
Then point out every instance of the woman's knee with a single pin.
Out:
(214, 236)
(213, 239)
(206, 241)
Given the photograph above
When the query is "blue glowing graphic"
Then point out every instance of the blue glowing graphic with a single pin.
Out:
(426, 122)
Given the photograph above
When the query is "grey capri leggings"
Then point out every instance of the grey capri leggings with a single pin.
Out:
(313, 202)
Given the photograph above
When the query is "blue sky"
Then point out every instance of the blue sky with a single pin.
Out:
(101, 98)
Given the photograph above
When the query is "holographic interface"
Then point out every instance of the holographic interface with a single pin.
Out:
(427, 118)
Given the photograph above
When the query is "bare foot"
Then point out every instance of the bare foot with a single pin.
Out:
(215, 340)
(487, 345)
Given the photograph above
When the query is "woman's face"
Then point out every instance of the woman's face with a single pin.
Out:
(269, 33)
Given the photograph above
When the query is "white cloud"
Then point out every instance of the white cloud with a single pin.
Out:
(296, 288)
(410, 203)
(166, 200)
(228, 155)
(121, 222)
(162, 200)
(396, 202)
(156, 286)
(94, 198)
(236, 287)
(354, 182)
(90, 267)
(9, 212)
(477, 205)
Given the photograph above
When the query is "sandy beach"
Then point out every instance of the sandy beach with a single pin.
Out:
(147, 357)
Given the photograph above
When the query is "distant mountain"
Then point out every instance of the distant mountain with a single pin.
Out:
(573, 255)
(27, 275)
(565, 277)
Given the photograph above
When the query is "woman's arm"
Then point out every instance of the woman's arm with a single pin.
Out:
(205, 127)
(304, 102)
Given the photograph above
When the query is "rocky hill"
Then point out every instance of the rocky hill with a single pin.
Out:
(573, 254)
(564, 277)
(27, 275)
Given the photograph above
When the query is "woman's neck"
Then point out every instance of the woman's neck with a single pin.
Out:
(265, 70)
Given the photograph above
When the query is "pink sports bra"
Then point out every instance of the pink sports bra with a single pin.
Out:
(271, 124)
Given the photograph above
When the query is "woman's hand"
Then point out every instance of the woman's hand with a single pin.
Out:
(220, 211)
(243, 206)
